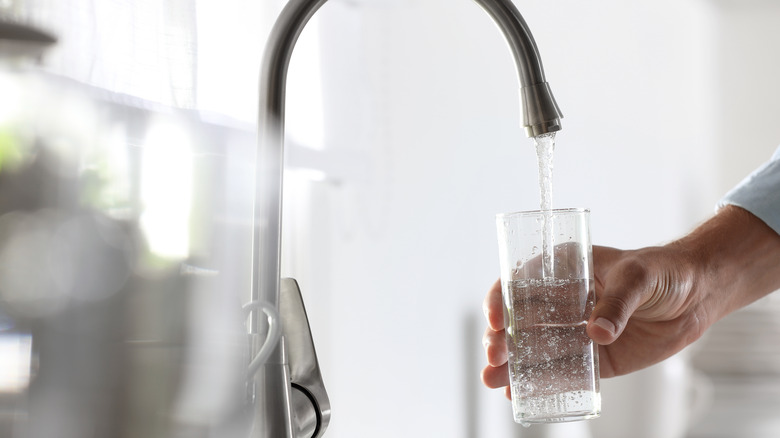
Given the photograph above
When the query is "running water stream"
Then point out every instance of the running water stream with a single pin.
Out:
(545, 144)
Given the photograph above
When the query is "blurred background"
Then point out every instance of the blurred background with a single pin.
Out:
(403, 142)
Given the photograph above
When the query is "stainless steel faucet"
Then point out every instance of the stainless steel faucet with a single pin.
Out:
(275, 415)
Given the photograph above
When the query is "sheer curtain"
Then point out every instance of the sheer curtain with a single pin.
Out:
(191, 54)
(141, 48)
(169, 52)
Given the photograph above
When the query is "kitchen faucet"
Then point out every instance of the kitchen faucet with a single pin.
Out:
(289, 398)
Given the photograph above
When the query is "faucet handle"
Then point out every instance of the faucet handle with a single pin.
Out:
(309, 400)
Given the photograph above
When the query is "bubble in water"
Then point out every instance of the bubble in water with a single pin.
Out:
(544, 374)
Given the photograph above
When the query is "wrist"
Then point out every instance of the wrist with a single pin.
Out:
(734, 258)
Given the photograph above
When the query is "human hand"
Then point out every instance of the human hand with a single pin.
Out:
(652, 302)
(638, 319)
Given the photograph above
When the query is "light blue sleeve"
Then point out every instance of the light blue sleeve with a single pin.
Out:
(759, 193)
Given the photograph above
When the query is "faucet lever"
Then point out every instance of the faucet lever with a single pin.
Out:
(310, 403)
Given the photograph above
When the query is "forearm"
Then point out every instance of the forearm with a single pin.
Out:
(737, 258)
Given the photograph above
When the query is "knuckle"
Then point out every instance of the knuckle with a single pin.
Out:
(635, 272)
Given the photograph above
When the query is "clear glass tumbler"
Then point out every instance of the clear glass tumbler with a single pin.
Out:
(548, 297)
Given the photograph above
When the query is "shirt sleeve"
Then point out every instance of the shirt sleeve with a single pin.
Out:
(759, 193)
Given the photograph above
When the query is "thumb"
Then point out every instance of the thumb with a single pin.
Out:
(620, 290)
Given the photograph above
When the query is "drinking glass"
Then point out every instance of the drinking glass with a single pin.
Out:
(547, 281)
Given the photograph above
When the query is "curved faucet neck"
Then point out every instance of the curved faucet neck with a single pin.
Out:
(540, 116)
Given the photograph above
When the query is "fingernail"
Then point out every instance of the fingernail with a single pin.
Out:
(605, 324)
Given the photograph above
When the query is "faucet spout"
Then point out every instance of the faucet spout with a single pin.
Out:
(540, 116)
(540, 111)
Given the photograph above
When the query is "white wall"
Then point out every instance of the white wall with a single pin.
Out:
(746, 124)
(422, 95)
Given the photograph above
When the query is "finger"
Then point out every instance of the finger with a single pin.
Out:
(604, 259)
(625, 287)
(606, 369)
(508, 392)
(495, 377)
(495, 346)
(493, 307)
